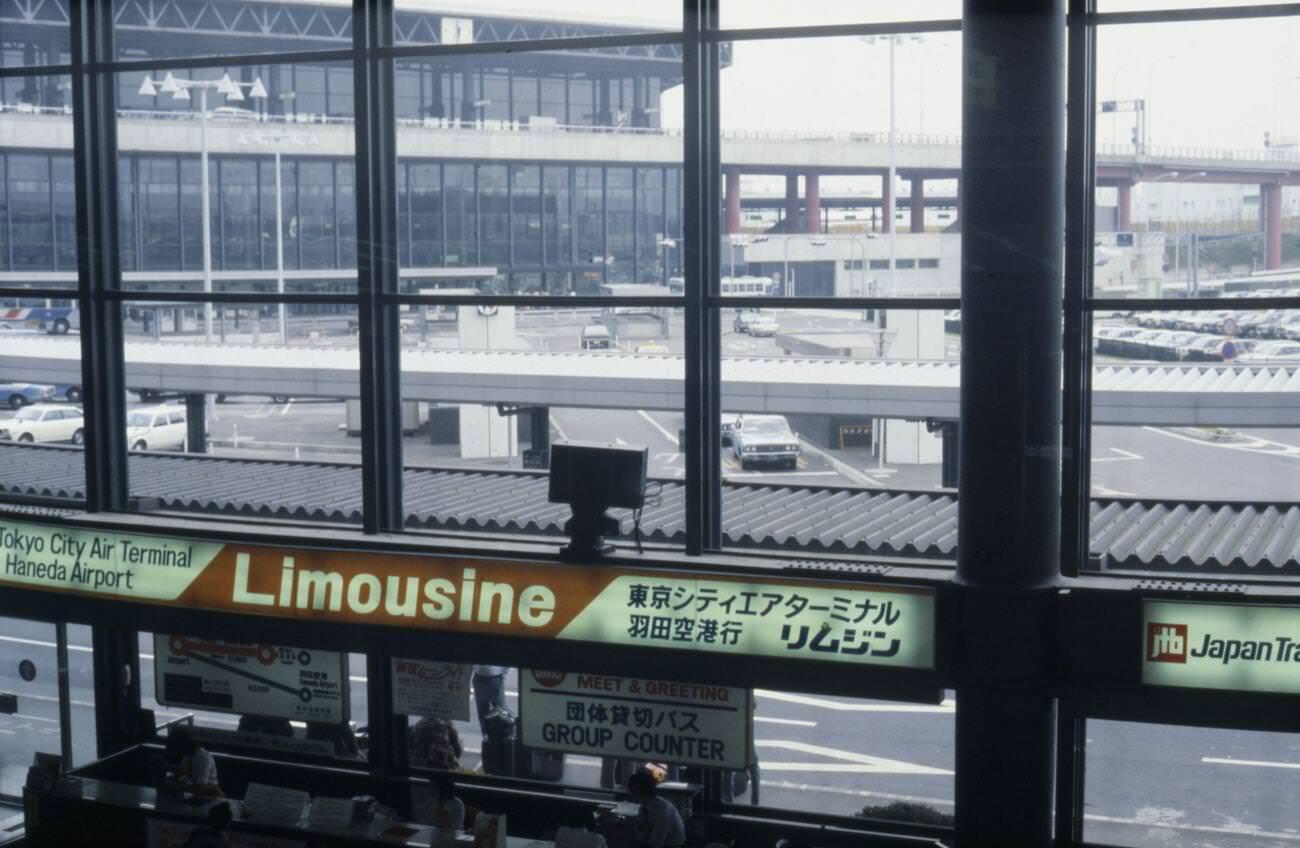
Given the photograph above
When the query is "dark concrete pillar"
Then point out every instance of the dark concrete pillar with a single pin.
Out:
(917, 205)
(886, 204)
(813, 200)
(196, 429)
(792, 203)
(1013, 156)
(950, 471)
(1124, 208)
(733, 202)
(1270, 203)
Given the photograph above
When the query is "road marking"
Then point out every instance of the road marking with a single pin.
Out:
(796, 722)
(1267, 447)
(843, 468)
(1229, 761)
(655, 424)
(287, 406)
(564, 437)
(1124, 456)
(1098, 489)
(947, 706)
(784, 474)
(849, 761)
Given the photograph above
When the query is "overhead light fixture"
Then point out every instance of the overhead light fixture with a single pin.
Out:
(147, 88)
(169, 84)
(235, 96)
(182, 93)
(258, 91)
(227, 86)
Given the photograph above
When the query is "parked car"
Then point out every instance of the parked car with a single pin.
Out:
(18, 395)
(156, 428)
(595, 337)
(68, 392)
(1272, 352)
(43, 422)
(730, 422)
(744, 317)
(763, 325)
(765, 440)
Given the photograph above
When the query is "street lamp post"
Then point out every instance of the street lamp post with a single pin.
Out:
(179, 89)
(890, 199)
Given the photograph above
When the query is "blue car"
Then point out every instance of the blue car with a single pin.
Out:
(18, 395)
(65, 391)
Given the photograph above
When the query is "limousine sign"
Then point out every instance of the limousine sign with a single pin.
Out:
(859, 623)
(1237, 647)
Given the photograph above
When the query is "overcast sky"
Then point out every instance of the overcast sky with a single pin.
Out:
(1205, 84)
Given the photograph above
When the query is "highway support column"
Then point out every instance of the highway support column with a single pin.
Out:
(1270, 204)
(733, 202)
(1013, 156)
(1124, 207)
(196, 425)
(792, 203)
(917, 204)
(813, 201)
(887, 211)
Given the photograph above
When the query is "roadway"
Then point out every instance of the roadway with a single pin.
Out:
(1148, 785)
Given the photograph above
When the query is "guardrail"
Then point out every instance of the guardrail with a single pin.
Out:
(1126, 153)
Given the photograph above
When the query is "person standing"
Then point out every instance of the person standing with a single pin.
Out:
(658, 823)
(489, 689)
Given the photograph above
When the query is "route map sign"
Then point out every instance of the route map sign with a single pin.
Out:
(434, 689)
(1237, 647)
(258, 679)
(635, 718)
(854, 622)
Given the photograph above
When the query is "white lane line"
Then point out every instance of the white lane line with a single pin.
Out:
(947, 706)
(564, 437)
(783, 474)
(663, 431)
(53, 700)
(843, 468)
(849, 761)
(1124, 456)
(1098, 489)
(287, 407)
(1229, 761)
(794, 722)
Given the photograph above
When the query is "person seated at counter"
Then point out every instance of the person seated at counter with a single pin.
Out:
(186, 766)
(214, 835)
(448, 811)
(658, 824)
(434, 743)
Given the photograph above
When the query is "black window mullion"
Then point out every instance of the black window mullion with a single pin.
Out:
(1080, 188)
(375, 187)
(98, 270)
(701, 175)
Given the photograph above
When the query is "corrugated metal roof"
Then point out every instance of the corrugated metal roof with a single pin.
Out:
(1126, 533)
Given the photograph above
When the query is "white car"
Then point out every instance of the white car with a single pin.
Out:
(156, 428)
(1272, 352)
(44, 422)
(763, 325)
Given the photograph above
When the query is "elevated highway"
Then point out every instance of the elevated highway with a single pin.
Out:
(1207, 395)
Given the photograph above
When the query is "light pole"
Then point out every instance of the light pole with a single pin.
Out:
(665, 244)
(277, 139)
(890, 202)
(179, 89)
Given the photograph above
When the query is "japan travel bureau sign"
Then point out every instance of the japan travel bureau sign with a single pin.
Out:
(870, 624)
(1236, 647)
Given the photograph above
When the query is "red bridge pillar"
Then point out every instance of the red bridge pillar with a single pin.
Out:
(886, 204)
(733, 202)
(792, 203)
(1270, 204)
(1124, 222)
(812, 199)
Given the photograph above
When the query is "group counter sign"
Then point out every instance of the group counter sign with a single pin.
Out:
(845, 622)
(1235, 647)
(635, 718)
(258, 679)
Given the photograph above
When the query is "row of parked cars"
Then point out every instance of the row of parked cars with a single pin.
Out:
(1281, 324)
(147, 428)
(1135, 342)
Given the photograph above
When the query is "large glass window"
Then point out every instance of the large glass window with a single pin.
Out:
(418, 24)
(1201, 234)
(526, 214)
(1151, 784)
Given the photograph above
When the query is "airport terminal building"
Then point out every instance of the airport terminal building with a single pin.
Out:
(540, 399)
